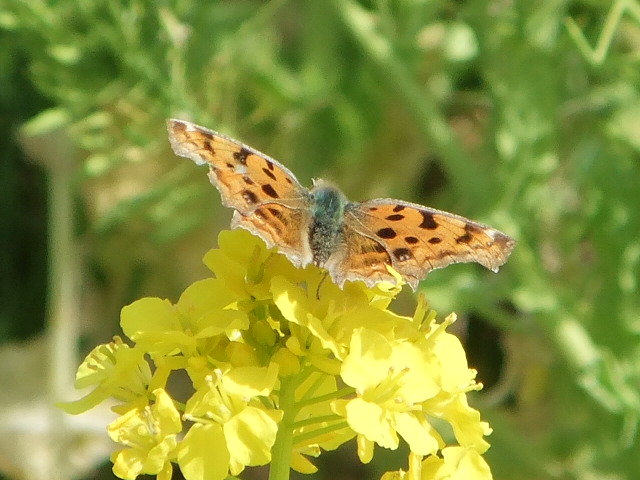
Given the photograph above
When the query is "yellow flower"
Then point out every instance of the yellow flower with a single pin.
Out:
(457, 463)
(204, 311)
(117, 371)
(453, 463)
(149, 432)
(246, 266)
(391, 378)
(283, 365)
(456, 379)
(228, 409)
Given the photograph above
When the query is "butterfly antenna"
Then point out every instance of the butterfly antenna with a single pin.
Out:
(324, 277)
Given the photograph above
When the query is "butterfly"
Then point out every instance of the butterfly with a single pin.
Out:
(351, 240)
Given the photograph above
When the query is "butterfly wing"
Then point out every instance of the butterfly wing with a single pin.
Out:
(360, 257)
(267, 198)
(415, 240)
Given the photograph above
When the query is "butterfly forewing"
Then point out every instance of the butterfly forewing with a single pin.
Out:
(419, 239)
(268, 199)
(244, 176)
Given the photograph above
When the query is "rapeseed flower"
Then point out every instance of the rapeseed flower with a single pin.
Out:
(282, 364)
(149, 433)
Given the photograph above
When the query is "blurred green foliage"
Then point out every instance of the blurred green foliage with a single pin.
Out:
(490, 109)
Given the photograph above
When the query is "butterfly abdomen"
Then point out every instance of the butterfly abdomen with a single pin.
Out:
(326, 222)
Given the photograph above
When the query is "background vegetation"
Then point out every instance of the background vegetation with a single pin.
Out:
(494, 109)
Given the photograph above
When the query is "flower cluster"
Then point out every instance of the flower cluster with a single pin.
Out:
(282, 364)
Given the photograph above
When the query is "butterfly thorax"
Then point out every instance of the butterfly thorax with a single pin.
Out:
(327, 210)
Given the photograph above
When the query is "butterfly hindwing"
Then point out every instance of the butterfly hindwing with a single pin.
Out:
(359, 258)
(282, 227)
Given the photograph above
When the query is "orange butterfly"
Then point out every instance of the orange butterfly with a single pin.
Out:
(351, 240)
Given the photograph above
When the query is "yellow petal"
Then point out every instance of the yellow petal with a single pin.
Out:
(465, 421)
(418, 382)
(146, 316)
(127, 463)
(288, 363)
(203, 454)
(250, 435)
(166, 473)
(368, 361)
(291, 300)
(203, 296)
(397, 475)
(159, 455)
(302, 464)
(466, 464)
(458, 463)
(164, 410)
(456, 374)
(365, 449)
(249, 382)
(416, 433)
(368, 419)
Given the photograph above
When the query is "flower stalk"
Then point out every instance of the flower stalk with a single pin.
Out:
(281, 451)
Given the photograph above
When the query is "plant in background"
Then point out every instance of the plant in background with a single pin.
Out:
(282, 365)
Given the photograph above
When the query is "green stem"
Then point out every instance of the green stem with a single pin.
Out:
(316, 420)
(329, 396)
(281, 451)
(305, 437)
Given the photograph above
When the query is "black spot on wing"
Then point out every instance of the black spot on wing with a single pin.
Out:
(179, 127)
(250, 197)
(276, 213)
(398, 208)
(428, 221)
(241, 155)
(373, 247)
(208, 145)
(434, 240)
(466, 238)
(269, 164)
(248, 181)
(379, 248)
(402, 254)
(386, 233)
(370, 262)
(269, 173)
(411, 240)
(262, 215)
(269, 190)
(395, 217)
(471, 228)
